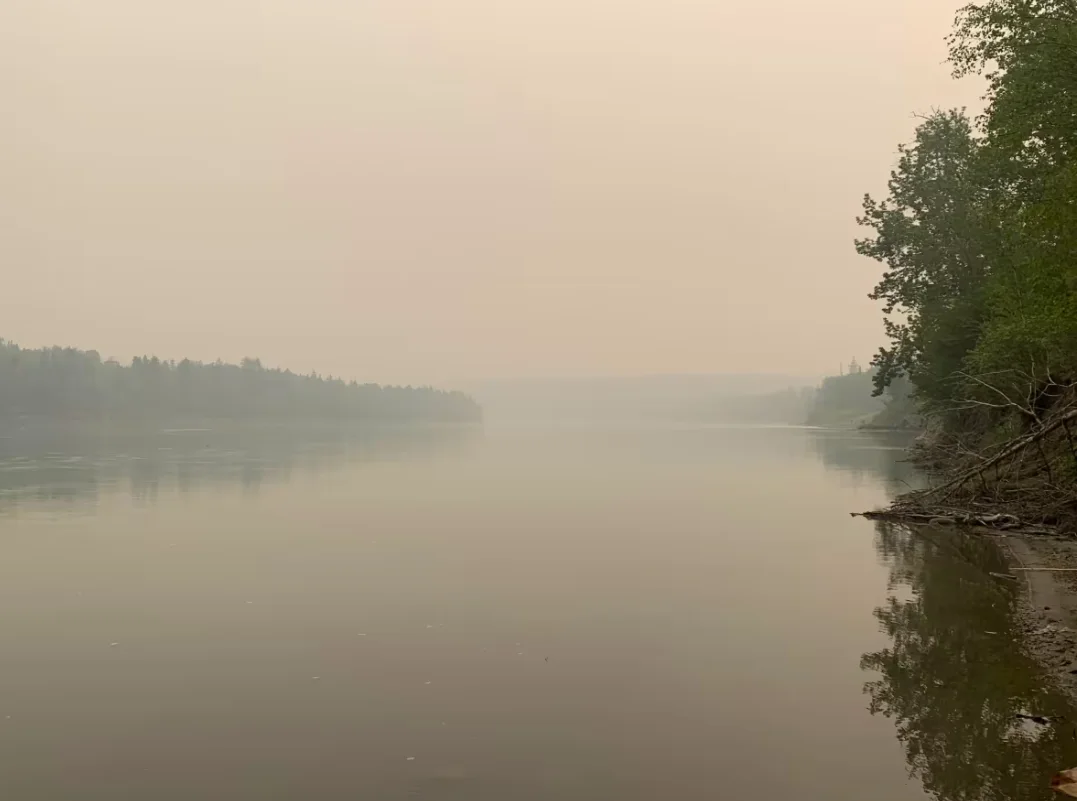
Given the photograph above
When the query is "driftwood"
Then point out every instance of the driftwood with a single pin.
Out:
(1012, 491)
(995, 522)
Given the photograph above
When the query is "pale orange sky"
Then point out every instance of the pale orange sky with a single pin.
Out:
(430, 191)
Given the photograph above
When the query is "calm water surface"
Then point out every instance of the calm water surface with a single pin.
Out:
(520, 613)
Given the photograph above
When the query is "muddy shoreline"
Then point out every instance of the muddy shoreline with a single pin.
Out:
(1047, 602)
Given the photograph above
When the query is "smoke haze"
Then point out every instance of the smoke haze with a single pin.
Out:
(414, 191)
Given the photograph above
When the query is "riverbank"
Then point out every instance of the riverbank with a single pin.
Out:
(1046, 569)
(1022, 498)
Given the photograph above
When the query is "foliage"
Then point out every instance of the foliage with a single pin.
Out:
(978, 235)
(929, 233)
(66, 383)
(1027, 50)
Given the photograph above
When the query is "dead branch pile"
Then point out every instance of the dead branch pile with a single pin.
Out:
(1026, 485)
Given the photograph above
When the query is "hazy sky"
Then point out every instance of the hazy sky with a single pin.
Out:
(435, 190)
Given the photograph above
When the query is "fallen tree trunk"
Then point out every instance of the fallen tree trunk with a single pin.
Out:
(1012, 449)
(928, 517)
(1008, 492)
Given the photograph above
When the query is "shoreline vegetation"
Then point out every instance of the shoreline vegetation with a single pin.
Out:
(76, 386)
(977, 237)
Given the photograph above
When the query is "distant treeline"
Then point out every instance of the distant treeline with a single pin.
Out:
(71, 384)
(844, 400)
(849, 399)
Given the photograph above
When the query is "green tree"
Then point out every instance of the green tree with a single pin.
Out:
(933, 237)
(1027, 51)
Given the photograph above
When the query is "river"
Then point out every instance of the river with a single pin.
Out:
(604, 612)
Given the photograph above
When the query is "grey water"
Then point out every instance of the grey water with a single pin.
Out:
(576, 612)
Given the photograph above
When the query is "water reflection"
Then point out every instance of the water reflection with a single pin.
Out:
(70, 468)
(865, 456)
(618, 551)
(952, 679)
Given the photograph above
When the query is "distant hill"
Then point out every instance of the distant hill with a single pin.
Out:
(660, 398)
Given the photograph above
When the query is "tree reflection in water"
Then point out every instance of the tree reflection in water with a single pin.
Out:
(954, 677)
(69, 467)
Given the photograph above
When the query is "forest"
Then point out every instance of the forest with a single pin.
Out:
(68, 384)
(977, 239)
(846, 400)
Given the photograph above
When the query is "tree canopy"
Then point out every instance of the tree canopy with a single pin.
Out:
(978, 232)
